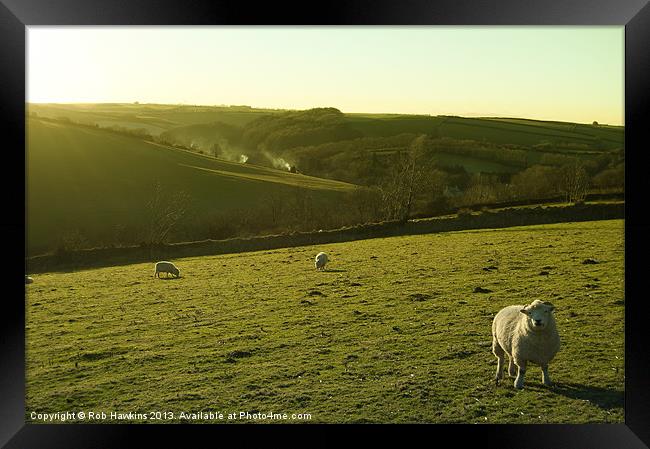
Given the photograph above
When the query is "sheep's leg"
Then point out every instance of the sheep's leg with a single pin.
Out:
(498, 351)
(545, 377)
(512, 371)
(521, 372)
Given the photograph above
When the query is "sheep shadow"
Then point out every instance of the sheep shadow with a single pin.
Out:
(334, 271)
(604, 398)
(169, 278)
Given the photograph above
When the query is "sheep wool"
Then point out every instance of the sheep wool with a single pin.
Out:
(166, 267)
(321, 261)
(526, 334)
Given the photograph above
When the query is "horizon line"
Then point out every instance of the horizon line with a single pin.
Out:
(212, 105)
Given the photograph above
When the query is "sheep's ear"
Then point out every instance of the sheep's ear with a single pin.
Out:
(550, 306)
(524, 310)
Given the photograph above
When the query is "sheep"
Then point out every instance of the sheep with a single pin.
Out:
(321, 261)
(526, 334)
(28, 279)
(166, 267)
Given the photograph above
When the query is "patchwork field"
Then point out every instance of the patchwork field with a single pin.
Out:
(392, 332)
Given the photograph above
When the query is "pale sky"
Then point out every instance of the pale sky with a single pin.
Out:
(548, 73)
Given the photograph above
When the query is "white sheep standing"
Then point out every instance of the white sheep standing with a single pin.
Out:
(526, 334)
(166, 267)
(321, 261)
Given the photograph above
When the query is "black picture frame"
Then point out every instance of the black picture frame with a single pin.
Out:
(16, 15)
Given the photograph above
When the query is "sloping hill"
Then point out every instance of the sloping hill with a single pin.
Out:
(96, 183)
(494, 130)
(155, 118)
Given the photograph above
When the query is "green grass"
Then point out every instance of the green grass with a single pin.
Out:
(93, 180)
(473, 165)
(188, 124)
(157, 118)
(500, 131)
(604, 131)
(392, 332)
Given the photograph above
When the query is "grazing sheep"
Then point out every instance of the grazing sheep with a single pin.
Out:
(321, 261)
(166, 267)
(526, 334)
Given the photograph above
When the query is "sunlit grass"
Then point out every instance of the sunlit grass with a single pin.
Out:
(392, 332)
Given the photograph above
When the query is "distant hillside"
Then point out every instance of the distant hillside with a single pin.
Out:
(519, 131)
(154, 118)
(92, 184)
(93, 168)
(499, 131)
(309, 139)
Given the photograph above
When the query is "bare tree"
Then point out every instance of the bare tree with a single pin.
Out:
(362, 205)
(276, 203)
(574, 182)
(164, 212)
(406, 179)
(300, 208)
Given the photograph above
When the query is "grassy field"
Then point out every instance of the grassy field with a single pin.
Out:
(93, 181)
(204, 126)
(391, 332)
(156, 118)
(503, 131)
(159, 118)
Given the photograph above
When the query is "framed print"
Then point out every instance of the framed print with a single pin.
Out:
(390, 214)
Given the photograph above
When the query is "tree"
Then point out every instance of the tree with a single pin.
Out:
(276, 203)
(537, 181)
(482, 190)
(405, 180)
(610, 178)
(362, 205)
(164, 212)
(574, 182)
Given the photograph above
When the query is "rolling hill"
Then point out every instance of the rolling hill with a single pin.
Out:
(93, 168)
(159, 118)
(155, 118)
(92, 183)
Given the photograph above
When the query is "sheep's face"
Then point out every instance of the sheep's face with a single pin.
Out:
(177, 272)
(539, 314)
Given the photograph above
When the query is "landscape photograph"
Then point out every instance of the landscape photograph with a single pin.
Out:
(325, 224)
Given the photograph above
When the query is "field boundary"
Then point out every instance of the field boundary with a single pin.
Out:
(490, 219)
